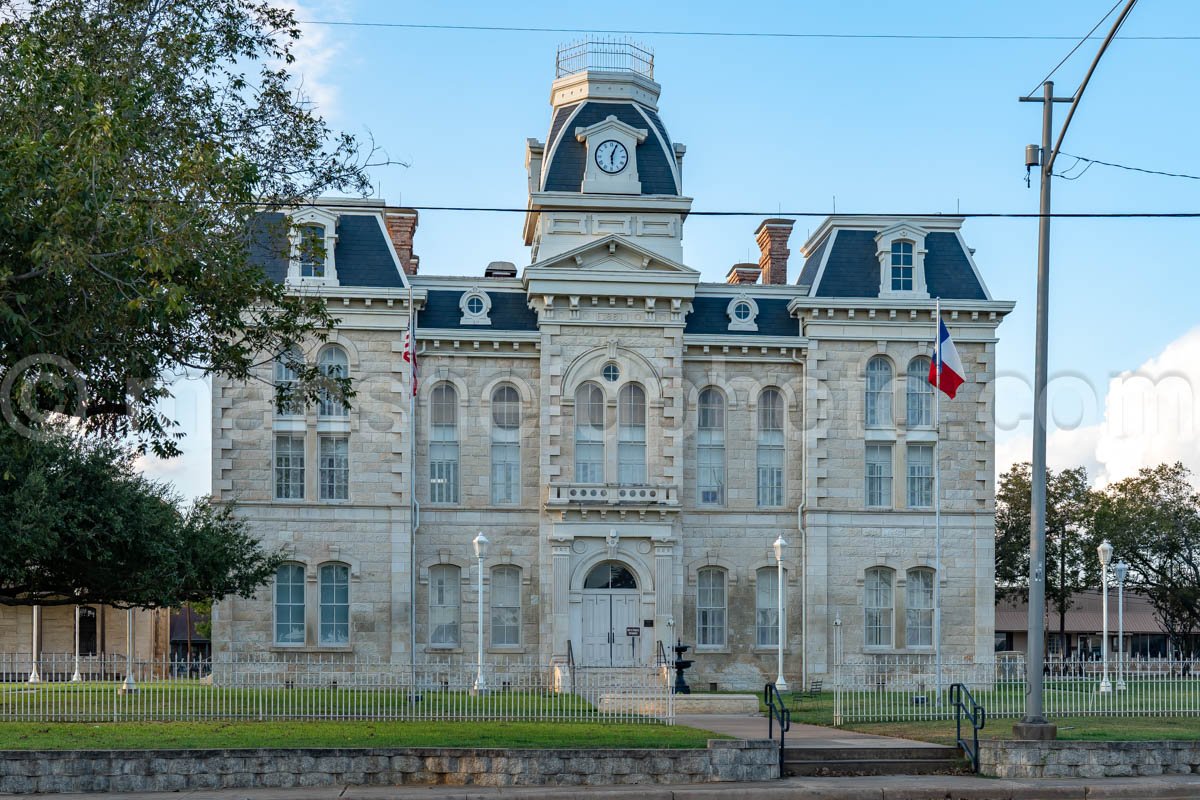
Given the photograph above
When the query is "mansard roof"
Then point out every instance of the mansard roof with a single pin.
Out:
(710, 316)
(842, 260)
(510, 310)
(566, 156)
(364, 255)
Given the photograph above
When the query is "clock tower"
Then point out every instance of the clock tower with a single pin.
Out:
(608, 165)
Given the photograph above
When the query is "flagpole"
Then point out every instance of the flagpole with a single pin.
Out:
(412, 495)
(937, 503)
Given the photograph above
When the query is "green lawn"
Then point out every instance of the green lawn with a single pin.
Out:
(210, 735)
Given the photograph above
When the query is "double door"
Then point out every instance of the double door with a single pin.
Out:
(608, 620)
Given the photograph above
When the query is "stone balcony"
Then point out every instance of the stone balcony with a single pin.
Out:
(613, 496)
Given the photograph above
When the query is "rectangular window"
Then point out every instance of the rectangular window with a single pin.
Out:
(879, 475)
(766, 622)
(506, 472)
(335, 605)
(878, 606)
(918, 610)
(443, 464)
(506, 606)
(443, 605)
(920, 476)
(902, 267)
(710, 607)
(334, 467)
(289, 467)
(289, 605)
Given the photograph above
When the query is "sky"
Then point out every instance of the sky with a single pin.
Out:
(812, 124)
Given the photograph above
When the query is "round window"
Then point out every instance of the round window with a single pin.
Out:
(741, 311)
(475, 305)
(611, 372)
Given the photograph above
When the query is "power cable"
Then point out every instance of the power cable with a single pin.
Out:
(1078, 45)
(1091, 161)
(737, 34)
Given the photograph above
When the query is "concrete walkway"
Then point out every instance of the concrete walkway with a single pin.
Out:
(743, 726)
(931, 787)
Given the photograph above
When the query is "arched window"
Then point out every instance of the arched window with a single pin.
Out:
(878, 606)
(902, 266)
(289, 605)
(631, 434)
(506, 606)
(589, 434)
(766, 607)
(506, 445)
(710, 607)
(443, 605)
(288, 402)
(918, 608)
(334, 364)
(879, 393)
(334, 580)
(443, 444)
(770, 448)
(610, 575)
(311, 250)
(710, 447)
(920, 394)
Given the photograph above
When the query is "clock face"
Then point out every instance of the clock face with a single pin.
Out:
(611, 156)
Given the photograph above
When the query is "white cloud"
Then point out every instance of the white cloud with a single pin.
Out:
(1151, 416)
(317, 53)
(190, 473)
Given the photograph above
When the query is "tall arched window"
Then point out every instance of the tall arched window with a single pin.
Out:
(289, 605)
(766, 607)
(334, 364)
(918, 608)
(902, 266)
(334, 582)
(770, 448)
(710, 607)
(443, 605)
(631, 434)
(710, 447)
(288, 402)
(879, 393)
(443, 444)
(589, 434)
(920, 394)
(506, 605)
(506, 445)
(877, 603)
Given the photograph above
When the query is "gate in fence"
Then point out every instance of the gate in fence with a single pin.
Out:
(327, 686)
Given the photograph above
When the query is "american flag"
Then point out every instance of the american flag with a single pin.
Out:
(410, 357)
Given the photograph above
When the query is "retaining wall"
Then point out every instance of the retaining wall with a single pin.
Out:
(22, 772)
(1020, 759)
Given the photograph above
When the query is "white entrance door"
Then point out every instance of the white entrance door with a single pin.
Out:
(608, 617)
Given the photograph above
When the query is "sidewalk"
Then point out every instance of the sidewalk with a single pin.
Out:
(742, 726)
(932, 787)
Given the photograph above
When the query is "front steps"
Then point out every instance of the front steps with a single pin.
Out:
(800, 761)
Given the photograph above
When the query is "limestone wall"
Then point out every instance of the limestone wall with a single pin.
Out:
(1058, 759)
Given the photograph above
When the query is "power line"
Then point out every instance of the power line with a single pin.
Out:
(1087, 36)
(740, 34)
(1091, 161)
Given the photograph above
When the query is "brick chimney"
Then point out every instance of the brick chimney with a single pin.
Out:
(772, 237)
(401, 225)
(743, 273)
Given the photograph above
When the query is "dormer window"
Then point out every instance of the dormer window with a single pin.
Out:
(314, 241)
(475, 306)
(743, 314)
(902, 266)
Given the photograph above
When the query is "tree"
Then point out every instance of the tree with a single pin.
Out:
(1070, 566)
(82, 525)
(137, 140)
(1152, 521)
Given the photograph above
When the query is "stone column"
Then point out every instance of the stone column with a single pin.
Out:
(561, 601)
(664, 587)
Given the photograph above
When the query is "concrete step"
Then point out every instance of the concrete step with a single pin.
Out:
(854, 761)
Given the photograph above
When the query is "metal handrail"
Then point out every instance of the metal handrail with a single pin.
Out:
(961, 696)
(777, 711)
(661, 656)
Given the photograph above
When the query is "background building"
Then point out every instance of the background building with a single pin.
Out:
(630, 439)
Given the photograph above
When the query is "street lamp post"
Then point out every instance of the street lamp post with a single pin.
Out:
(780, 683)
(1121, 569)
(128, 686)
(1105, 552)
(76, 677)
(481, 545)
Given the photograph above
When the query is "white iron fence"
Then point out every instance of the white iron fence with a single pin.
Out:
(282, 686)
(893, 688)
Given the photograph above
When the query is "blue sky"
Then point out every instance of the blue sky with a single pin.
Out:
(895, 126)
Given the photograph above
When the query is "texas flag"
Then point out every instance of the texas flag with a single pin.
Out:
(950, 365)
(410, 357)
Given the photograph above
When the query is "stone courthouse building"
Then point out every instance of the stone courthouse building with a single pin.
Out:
(630, 439)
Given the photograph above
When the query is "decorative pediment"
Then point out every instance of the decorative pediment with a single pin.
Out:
(611, 125)
(613, 254)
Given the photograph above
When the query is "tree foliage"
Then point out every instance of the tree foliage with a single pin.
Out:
(136, 139)
(1152, 521)
(82, 525)
(1070, 543)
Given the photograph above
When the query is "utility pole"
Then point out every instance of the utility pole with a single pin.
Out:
(1034, 724)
